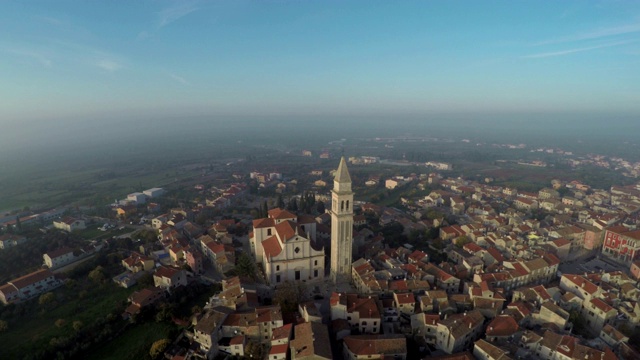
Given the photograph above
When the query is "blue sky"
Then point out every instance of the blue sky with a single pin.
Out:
(81, 59)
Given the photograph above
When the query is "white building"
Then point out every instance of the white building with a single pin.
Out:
(286, 246)
(154, 192)
(60, 257)
(28, 286)
(69, 224)
(137, 197)
(341, 224)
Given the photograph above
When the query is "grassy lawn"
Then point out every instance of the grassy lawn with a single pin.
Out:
(35, 329)
(91, 232)
(134, 343)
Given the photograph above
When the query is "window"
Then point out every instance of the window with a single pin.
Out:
(297, 250)
(364, 323)
(315, 262)
(277, 267)
(297, 274)
(342, 205)
(315, 273)
(268, 232)
(347, 204)
(277, 278)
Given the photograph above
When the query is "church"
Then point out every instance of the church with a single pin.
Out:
(288, 249)
(285, 245)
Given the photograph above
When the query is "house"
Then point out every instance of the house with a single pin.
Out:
(28, 286)
(123, 211)
(154, 192)
(362, 313)
(310, 342)
(137, 198)
(391, 184)
(281, 335)
(69, 224)
(501, 329)
(389, 346)
(168, 277)
(234, 346)
(621, 244)
(195, 261)
(484, 350)
(60, 257)
(359, 220)
(579, 286)
(405, 303)
(257, 324)
(11, 240)
(459, 331)
(597, 314)
(207, 331)
(137, 262)
(612, 336)
(141, 299)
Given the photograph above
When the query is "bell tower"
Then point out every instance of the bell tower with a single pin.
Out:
(341, 225)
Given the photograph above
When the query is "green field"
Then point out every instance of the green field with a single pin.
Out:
(134, 343)
(36, 328)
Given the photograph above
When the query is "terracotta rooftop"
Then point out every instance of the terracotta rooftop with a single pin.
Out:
(502, 325)
(363, 345)
(32, 278)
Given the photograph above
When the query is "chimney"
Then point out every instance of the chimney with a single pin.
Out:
(469, 325)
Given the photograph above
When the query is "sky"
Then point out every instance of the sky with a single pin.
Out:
(87, 60)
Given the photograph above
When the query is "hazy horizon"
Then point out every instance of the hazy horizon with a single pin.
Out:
(97, 75)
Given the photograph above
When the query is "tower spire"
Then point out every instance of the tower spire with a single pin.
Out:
(342, 175)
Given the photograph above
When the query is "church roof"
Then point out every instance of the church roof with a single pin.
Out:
(342, 175)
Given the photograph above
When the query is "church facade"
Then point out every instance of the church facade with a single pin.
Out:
(285, 245)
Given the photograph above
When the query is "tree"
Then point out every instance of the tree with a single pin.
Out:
(158, 347)
(280, 202)
(245, 266)
(320, 207)
(77, 325)
(3, 326)
(97, 275)
(462, 241)
(46, 298)
(289, 295)
(18, 224)
(60, 323)
(293, 205)
(145, 280)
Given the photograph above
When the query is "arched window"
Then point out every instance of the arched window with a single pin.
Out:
(342, 206)
(347, 204)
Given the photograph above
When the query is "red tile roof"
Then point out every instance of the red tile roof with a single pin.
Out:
(32, 278)
(279, 349)
(271, 246)
(264, 222)
(280, 214)
(165, 271)
(502, 325)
